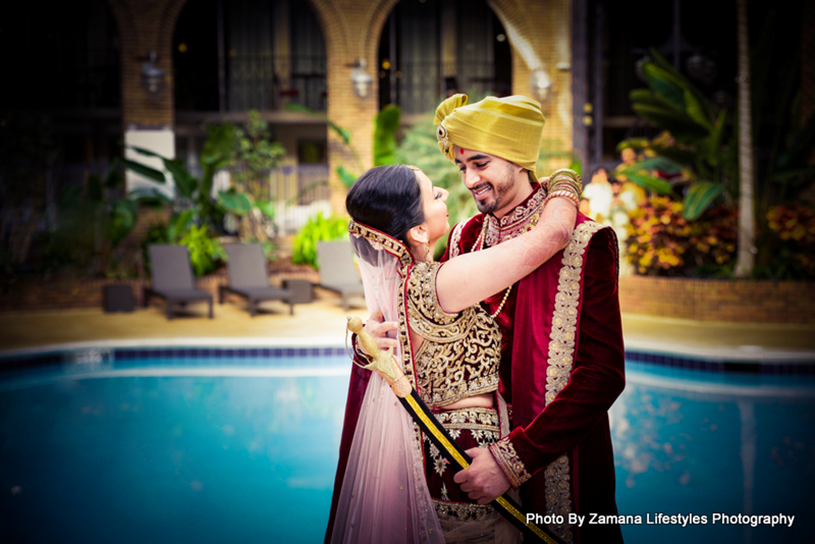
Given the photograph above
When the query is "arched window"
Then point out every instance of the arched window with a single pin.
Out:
(248, 54)
(431, 49)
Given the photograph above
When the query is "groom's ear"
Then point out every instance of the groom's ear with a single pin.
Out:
(418, 235)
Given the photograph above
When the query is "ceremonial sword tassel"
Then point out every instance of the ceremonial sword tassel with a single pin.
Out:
(384, 363)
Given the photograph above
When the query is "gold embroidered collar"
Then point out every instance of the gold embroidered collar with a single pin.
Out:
(516, 222)
(381, 241)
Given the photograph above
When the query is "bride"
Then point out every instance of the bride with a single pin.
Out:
(396, 486)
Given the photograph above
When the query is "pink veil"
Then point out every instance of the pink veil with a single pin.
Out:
(384, 496)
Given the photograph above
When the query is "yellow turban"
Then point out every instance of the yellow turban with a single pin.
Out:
(510, 128)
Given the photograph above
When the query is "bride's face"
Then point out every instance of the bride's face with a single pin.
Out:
(434, 205)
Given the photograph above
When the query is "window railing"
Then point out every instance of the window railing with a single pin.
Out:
(300, 192)
(421, 85)
(261, 82)
(266, 82)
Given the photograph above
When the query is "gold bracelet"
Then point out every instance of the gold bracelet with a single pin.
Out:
(563, 193)
(566, 179)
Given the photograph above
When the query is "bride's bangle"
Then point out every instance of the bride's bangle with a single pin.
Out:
(567, 184)
(564, 193)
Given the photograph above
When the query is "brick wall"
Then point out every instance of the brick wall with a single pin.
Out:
(719, 300)
(144, 26)
(351, 30)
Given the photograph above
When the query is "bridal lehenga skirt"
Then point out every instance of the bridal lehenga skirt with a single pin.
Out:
(461, 518)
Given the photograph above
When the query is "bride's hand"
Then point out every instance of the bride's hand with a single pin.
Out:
(377, 327)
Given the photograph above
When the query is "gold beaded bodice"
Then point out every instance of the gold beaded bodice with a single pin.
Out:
(460, 353)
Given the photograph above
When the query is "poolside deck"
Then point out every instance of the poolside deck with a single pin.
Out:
(323, 321)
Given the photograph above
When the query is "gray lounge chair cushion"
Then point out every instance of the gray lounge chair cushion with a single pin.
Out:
(263, 293)
(184, 294)
(246, 266)
(337, 269)
(248, 277)
(170, 268)
(171, 274)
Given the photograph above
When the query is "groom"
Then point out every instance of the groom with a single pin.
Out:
(562, 354)
(562, 351)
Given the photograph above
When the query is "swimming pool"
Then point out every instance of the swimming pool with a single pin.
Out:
(241, 445)
(700, 443)
(172, 450)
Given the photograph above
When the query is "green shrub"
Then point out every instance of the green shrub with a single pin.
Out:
(205, 250)
(317, 229)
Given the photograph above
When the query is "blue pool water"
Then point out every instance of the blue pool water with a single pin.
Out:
(213, 452)
(705, 443)
(204, 459)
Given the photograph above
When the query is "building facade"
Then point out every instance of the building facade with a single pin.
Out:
(90, 63)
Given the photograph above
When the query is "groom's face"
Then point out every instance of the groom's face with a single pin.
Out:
(490, 179)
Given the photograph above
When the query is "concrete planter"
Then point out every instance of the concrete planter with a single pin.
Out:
(743, 301)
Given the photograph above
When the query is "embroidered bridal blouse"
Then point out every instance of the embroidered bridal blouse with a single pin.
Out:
(460, 353)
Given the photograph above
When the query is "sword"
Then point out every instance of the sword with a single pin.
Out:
(384, 363)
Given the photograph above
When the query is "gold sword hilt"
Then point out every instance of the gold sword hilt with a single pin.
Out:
(381, 361)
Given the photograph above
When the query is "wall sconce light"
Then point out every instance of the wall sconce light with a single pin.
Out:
(361, 80)
(541, 84)
(152, 76)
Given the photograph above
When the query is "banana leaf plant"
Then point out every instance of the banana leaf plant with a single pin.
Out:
(386, 123)
(698, 151)
(196, 217)
(191, 191)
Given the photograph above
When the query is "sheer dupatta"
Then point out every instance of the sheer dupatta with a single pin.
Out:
(384, 496)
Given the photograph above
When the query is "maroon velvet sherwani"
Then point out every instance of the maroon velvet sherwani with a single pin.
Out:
(563, 367)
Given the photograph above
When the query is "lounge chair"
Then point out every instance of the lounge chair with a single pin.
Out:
(249, 278)
(171, 273)
(337, 270)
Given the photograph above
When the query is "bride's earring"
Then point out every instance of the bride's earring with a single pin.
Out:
(426, 251)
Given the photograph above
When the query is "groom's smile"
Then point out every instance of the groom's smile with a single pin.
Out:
(490, 179)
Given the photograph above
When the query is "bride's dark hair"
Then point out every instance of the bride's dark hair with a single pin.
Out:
(387, 198)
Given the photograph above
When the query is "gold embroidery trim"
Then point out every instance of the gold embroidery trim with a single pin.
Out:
(507, 458)
(514, 223)
(424, 301)
(475, 418)
(564, 319)
(463, 511)
(561, 362)
(455, 239)
(381, 241)
(460, 354)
